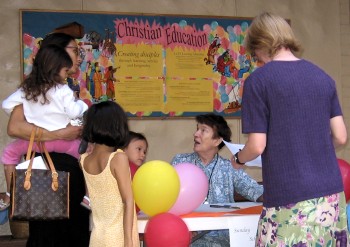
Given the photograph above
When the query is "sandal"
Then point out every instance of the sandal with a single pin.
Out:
(86, 203)
(4, 205)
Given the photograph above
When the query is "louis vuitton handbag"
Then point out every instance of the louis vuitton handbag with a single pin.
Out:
(38, 194)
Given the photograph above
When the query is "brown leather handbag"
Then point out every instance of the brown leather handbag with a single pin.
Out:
(39, 194)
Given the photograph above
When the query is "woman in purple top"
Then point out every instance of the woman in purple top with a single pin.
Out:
(292, 116)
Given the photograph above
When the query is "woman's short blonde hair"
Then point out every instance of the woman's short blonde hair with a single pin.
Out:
(269, 33)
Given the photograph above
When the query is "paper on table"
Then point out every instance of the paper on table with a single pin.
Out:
(234, 148)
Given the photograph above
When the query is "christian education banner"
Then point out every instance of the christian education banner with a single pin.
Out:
(163, 66)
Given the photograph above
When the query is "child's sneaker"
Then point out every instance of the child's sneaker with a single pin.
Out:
(4, 204)
(86, 203)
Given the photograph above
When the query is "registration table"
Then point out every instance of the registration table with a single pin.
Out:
(241, 223)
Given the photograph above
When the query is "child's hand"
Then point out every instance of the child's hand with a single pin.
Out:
(76, 122)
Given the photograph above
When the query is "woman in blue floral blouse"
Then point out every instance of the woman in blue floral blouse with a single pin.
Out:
(223, 179)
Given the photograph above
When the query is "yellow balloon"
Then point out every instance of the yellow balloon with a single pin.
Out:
(156, 186)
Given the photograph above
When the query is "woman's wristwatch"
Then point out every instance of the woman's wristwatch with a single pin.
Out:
(237, 160)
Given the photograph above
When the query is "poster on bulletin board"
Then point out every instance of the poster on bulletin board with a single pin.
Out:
(153, 65)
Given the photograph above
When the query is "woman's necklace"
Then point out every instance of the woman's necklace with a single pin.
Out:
(211, 174)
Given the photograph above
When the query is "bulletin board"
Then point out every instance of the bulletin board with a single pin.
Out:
(160, 66)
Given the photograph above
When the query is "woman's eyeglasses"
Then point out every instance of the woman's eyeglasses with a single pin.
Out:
(75, 49)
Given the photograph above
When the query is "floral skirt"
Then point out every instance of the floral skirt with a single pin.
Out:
(316, 222)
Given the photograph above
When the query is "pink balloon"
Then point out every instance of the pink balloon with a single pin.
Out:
(193, 188)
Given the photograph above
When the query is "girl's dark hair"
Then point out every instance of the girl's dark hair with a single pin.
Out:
(219, 125)
(60, 39)
(47, 65)
(106, 123)
(137, 136)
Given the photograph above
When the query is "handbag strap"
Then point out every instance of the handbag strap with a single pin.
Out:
(41, 146)
(27, 184)
(30, 156)
(54, 184)
(31, 142)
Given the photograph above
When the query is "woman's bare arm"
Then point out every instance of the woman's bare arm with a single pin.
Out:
(18, 127)
(254, 147)
(338, 130)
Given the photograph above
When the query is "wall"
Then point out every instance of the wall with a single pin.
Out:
(323, 29)
(344, 86)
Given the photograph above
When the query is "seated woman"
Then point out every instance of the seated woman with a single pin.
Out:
(223, 178)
